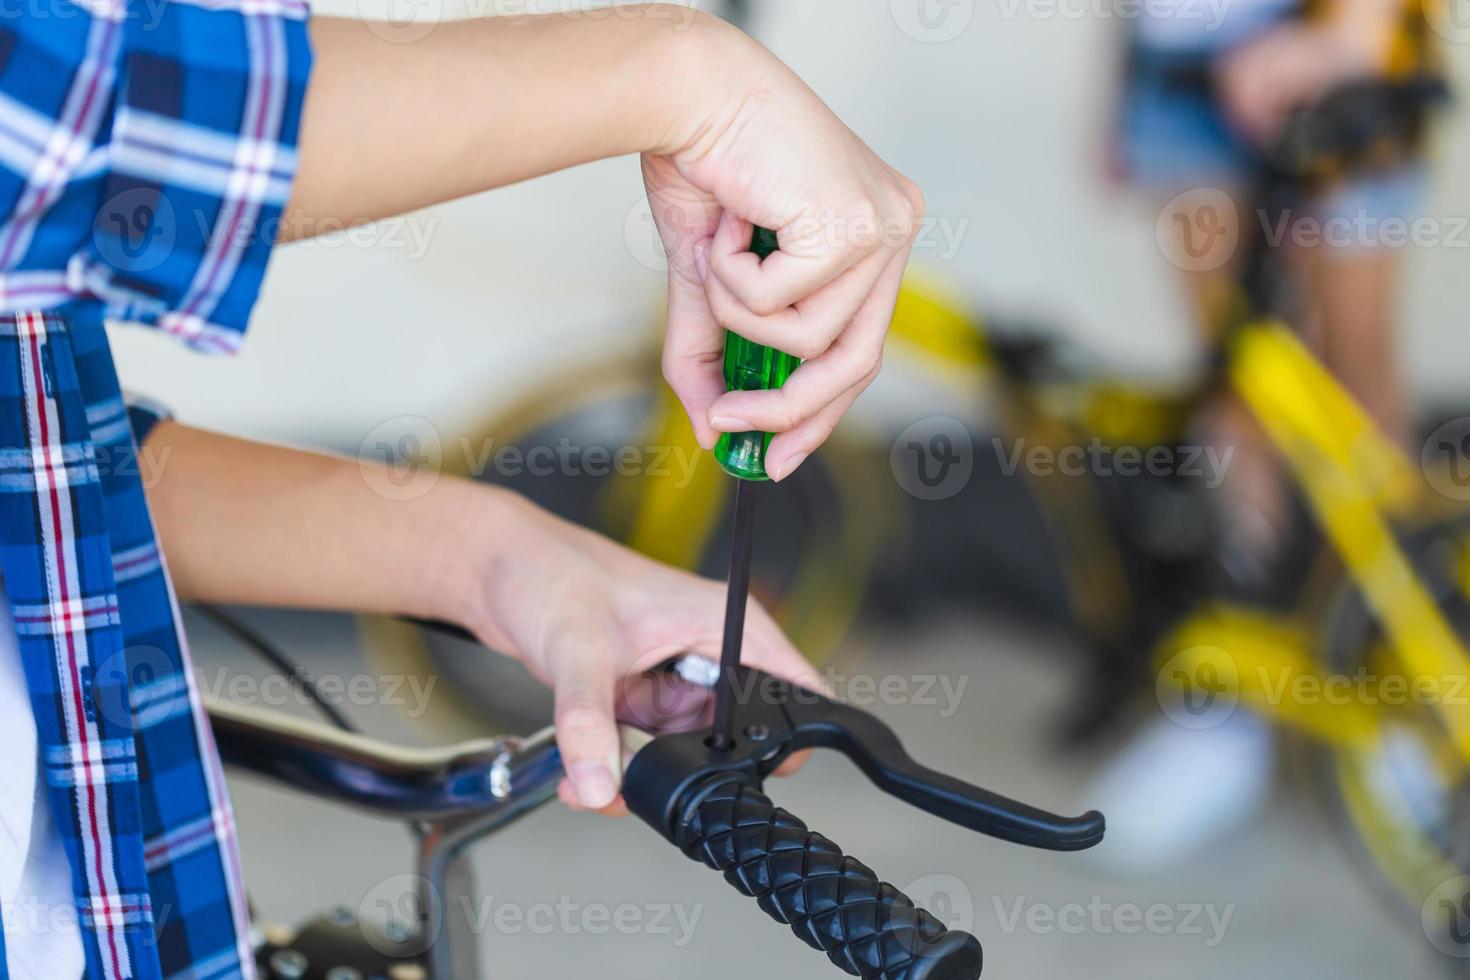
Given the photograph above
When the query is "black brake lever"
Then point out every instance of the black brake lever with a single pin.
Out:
(705, 796)
(774, 719)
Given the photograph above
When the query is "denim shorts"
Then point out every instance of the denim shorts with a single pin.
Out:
(1174, 136)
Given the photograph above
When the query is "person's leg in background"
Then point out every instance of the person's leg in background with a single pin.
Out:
(1172, 790)
(1169, 789)
(1354, 285)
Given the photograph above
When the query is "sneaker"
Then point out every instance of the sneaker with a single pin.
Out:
(1172, 792)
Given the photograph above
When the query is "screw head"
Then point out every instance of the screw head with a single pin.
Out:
(757, 733)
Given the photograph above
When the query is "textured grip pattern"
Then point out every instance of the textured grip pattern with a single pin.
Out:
(831, 901)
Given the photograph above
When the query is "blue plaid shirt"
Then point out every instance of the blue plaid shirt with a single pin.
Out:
(146, 149)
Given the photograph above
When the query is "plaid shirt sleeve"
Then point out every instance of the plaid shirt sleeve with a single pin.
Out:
(146, 151)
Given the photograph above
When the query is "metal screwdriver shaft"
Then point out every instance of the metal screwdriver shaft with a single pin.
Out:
(747, 367)
(737, 596)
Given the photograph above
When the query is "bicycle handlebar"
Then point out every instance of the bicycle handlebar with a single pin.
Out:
(831, 901)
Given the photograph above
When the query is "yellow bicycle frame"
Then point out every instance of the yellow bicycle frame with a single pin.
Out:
(1356, 481)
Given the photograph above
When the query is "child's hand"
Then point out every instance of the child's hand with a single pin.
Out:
(1293, 66)
(728, 135)
(760, 146)
(589, 617)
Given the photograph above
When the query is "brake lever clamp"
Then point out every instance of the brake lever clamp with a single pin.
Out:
(774, 718)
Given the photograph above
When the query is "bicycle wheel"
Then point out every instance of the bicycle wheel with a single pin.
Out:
(1401, 798)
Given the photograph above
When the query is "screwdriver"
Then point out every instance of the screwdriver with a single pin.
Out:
(748, 367)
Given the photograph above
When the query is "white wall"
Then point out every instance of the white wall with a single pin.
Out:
(1000, 126)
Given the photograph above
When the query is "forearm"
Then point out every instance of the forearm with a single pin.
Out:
(475, 104)
(259, 524)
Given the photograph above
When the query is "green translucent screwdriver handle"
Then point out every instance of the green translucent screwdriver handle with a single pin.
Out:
(751, 367)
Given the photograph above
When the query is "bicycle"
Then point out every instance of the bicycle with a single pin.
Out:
(707, 801)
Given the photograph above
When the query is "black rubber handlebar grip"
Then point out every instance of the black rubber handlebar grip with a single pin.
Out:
(830, 900)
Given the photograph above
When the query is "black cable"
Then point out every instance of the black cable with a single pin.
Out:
(268, 651)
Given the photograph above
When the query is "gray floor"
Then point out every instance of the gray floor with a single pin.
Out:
(1285, 900)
